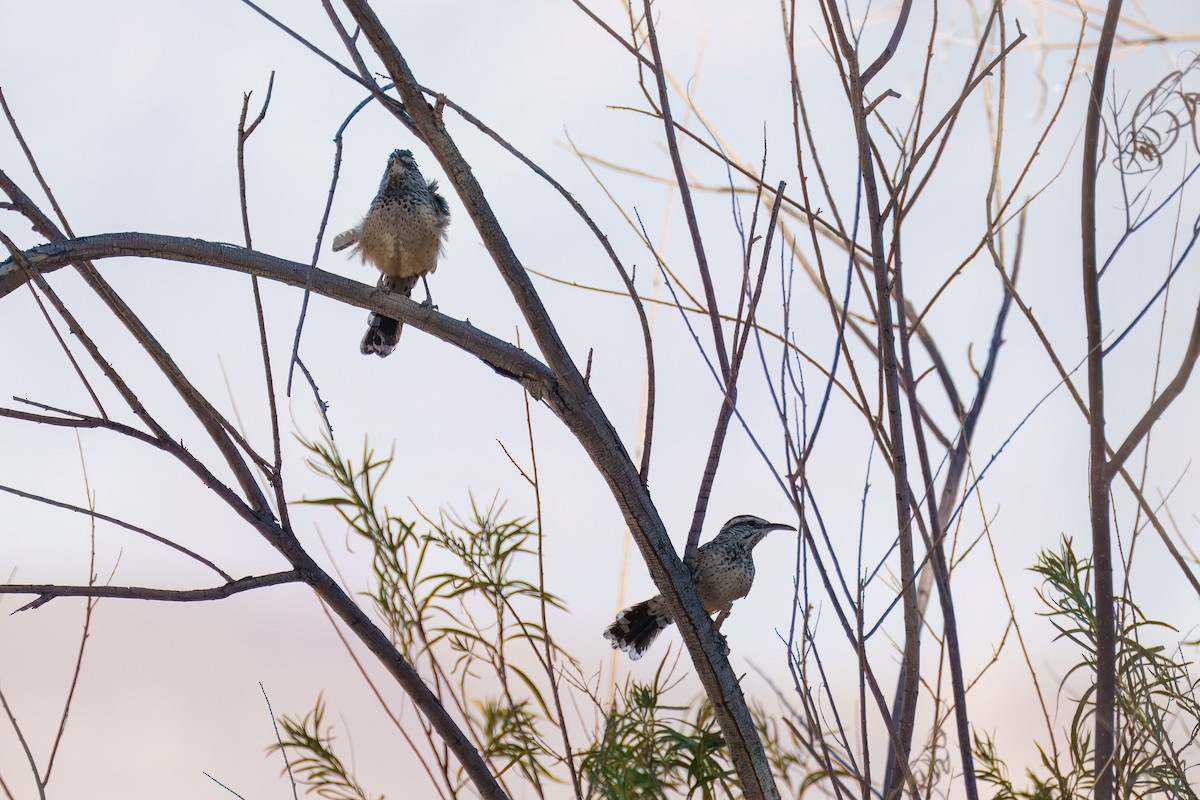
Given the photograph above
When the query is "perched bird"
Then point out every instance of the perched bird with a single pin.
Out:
(401, 236)
(724, 573)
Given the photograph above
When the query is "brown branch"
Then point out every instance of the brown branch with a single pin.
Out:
(897, 767)
(607, 29)
(729, 401)
(685, 195)
(85, 634)
(348, 41)
(344, 606)
(48, 591)
(12, 719)
(20, 137)
(217, 426)
(67, 350)
(1099, 474)
(935, 356)
(224, 436)
(275, 474)
(33, 165)
(950, 115)
(170, 446)
(586, 419)
(365, 80)
(1160, 404)
(893, 43)
(1065, 379)
(328, 59)
(258, 517)
(941, 568)
(20, 264)
(626, 278)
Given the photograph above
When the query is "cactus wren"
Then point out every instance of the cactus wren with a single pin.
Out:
(401, 236)
(724, 573)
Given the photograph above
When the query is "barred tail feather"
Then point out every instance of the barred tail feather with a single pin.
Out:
(383, 333)
(382, 336)
(636, 628)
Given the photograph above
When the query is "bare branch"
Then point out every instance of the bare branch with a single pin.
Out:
(685, 196)
(1099, 473)
(893, 43)
(48, 591)
(898, 770)
(729, 401)
(950, 116)
(607, 29)
(12, 719)
(499, 355)
(626, 278)
(595, 432)
(1160, 404)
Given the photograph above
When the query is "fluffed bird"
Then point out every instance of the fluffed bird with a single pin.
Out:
(401, 236)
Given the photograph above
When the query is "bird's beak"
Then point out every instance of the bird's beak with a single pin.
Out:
(762, 532)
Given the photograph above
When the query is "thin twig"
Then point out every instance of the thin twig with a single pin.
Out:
(587, 421)
(12, 719)
(607, 29)
(12, 123)
(626, 278)
(685, 195)
(275, 475)
(87, 622)
(91, 512)
(348, 41)
(898, 771)
(36, 277)
(287, 765)
(729, 401)
(951, 114)
(893, 43)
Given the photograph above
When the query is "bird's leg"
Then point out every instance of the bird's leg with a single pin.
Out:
(720, 637)
(428, 302)
(723, 615)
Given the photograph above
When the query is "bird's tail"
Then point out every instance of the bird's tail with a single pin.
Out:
(636, 627)
(383, 332)
(382, 336)
(345, 239)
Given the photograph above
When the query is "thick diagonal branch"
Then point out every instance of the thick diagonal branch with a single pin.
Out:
(587, 421)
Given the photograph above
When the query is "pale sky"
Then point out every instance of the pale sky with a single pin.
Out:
(131, 109)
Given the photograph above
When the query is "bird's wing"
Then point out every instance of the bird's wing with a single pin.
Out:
(439, 202)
